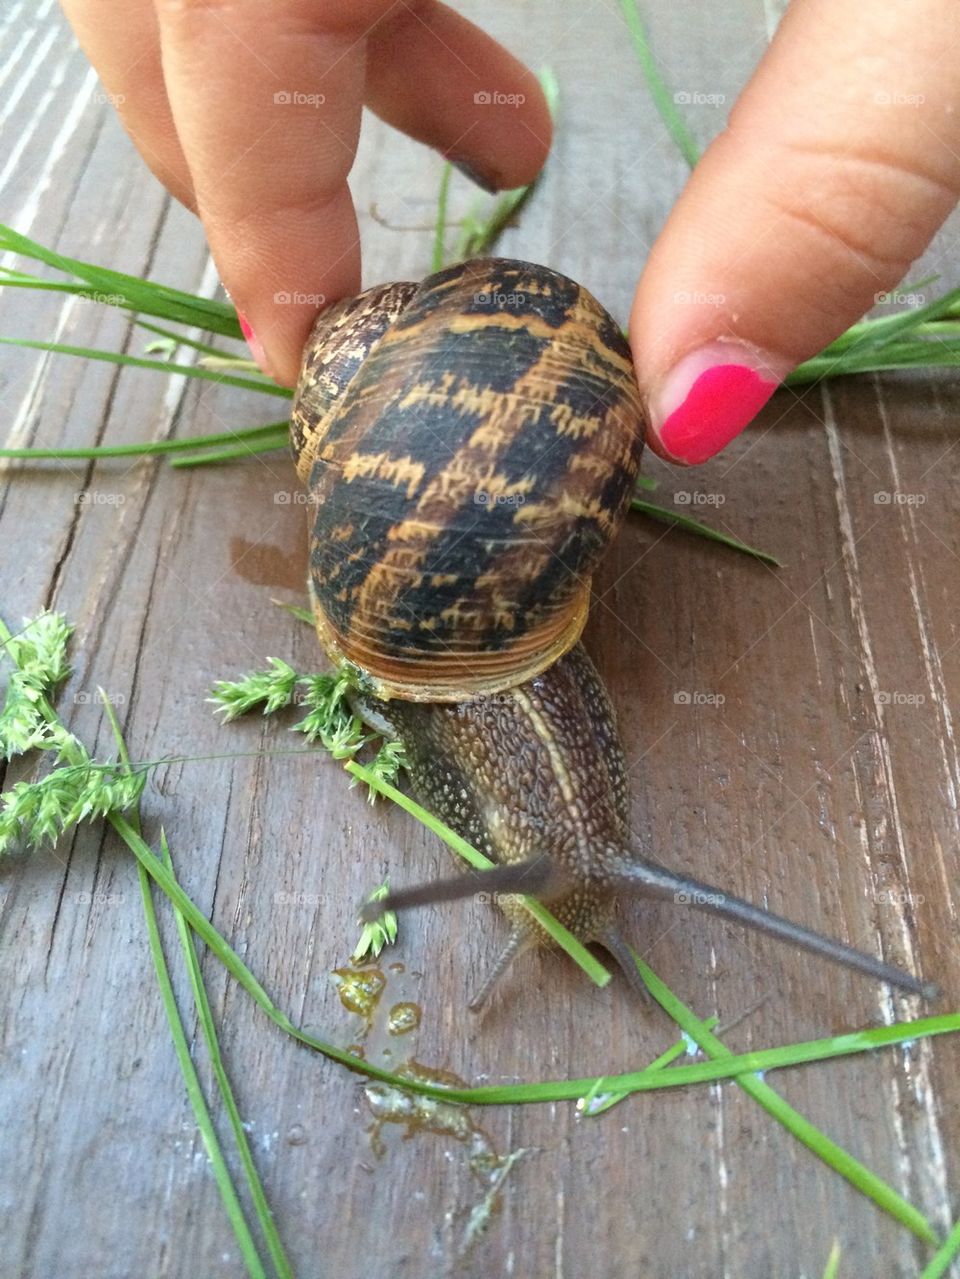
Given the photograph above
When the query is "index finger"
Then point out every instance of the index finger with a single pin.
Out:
(267, 103)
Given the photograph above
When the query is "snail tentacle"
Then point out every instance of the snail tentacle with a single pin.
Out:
(646, 878)
(535, 876)
(521, 937)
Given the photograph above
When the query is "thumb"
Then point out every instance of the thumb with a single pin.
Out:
(838, 164)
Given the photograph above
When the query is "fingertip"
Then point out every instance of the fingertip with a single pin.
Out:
(707, 397)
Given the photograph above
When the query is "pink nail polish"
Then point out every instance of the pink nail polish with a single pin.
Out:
(709, 397)
(255, 345)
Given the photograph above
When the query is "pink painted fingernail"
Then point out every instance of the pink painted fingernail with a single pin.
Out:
(255, 345)
(709, 397)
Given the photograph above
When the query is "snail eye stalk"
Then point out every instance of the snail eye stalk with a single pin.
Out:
(535, 876)
(645, 878)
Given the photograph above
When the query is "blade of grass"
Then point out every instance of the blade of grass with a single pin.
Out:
(249, 434)
(687, 522)
(440, 232)
(832, 1268)
(562, 936)
(599, 1100)
(221, 1173)
(164, 366)
(84, 291)
(139, 295)
(940, 1263)
(662, 98)
(297, 611)
(208, 1029)
(265, 1215)
(181, 339)
(883, 329)
(266, 444)
(900, 355)
(856, 1173)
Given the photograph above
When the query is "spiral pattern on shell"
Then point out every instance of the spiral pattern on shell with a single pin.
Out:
(470, 445)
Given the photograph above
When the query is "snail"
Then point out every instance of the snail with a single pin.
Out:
(470, 445)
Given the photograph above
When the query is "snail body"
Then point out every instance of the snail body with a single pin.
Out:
(470, 445)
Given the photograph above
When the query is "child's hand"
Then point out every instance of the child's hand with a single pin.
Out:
(249, 113)
(840, 161)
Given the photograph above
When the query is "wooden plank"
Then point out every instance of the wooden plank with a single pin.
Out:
(823, 784)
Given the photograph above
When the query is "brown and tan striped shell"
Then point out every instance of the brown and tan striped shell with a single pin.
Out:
(469, 445)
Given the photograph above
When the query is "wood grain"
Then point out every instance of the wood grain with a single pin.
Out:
(824, 783)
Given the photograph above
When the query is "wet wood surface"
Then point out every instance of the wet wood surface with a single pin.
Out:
(789, 733)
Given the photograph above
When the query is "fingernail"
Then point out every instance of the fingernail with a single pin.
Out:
(255, 345)
(710, 396)
(468, 171)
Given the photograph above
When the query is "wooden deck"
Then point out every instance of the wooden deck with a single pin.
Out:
(813, 767)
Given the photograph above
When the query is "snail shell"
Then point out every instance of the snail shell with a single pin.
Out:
(470, 445)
